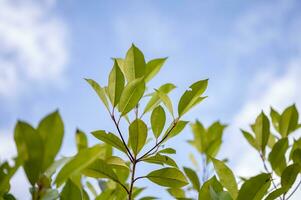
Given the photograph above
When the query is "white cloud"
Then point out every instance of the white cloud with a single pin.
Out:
(33, 46)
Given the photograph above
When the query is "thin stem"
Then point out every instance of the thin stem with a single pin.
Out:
(129, 154)
(158, 144)
(140, 177)
(132, 179)
(294, 190)
(267, 170)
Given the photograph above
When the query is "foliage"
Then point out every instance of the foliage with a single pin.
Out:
(143, 123)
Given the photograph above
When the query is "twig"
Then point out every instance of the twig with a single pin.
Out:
(129, 154)
(158, 144)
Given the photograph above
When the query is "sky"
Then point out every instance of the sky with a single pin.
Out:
(249, 50)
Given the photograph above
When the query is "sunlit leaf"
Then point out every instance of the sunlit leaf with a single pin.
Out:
(255, 188)
(153, 67)
(168, 177)
(192, 96)
(137, 135)
(158, 119)
(160, 159)
(193, 177)
(110, 139)
(226, 177)
(100, 92)
(81, 140)
(115, 84)
(79, 162)
(277, 156)
(289, 121)
(131, 95)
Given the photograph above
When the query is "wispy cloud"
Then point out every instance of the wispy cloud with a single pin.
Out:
(33, 46)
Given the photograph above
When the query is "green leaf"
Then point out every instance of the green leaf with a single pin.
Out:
(275, 116)
(262, 131)
(137, 135)
(51, 130)
(55, 165)
(289, 175)
(296, 145)
(115, 84)
(192, 96)
(176, 130)
(109, 138)
(79, 162)
(30, 149)
(168, 177)
(116, 162)
(289, 121)
(101, 92)
(100, 169)
(71, 191)
(277, 156)
(167, 151)
(50, 194)
(226, 177)
(166, 101)
(212, 183)
(160, 159)
(155, 99)
(176, 192)
(131, 95)
(91, 188)
(158, 119)
(81, 140)
(255, 188)
(296, 156)
(134, 64)
(251, 140)
(153, 67)
(276, 193)
(193, 177)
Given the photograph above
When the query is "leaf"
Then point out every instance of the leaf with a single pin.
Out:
(176, 192)
(134, 64)
(158, 119)
(275, 116)
(55, 165)
(51, 130)
(289, 175)
(91, 188)
(176, 130)
(255, 188)
(137, 135)
(277, 155)
(109, 138)
(79, 162)
(289, 121)
(193, 177)
(71, 191)
(276, 193)
(100, 92)
(153, 67)
(251, 140)
(226, 177)
(30, 149)
(155, 99)
(81, 140)
(262, 131)
(50, 194)
(213, 183)
(297, 156)
(116, 162)
(167, 151)
(166, 101)
(168, 177)
(100, 169)
(160, 159)
(115, 84)
(131, 95)
(192, 96)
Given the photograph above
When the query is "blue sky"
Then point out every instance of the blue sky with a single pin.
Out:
(250, 51)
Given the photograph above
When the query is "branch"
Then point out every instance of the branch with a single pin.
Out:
(129, 154)
(159, 143)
